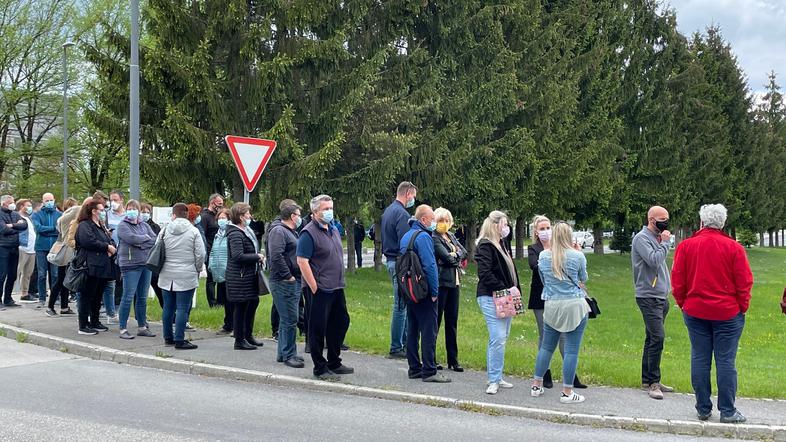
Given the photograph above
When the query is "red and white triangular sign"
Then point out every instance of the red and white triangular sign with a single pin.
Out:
(251, 156)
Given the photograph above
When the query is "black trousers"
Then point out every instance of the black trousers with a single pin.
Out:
(90, 301)
(210, 290)
(422, 337)
(449, 300)
(274, 319)
(328, 325)
(654, 311)
(59, 290)
(157, 290)
(229, 307)
(9, 263)
(359, 253)
(244, 319)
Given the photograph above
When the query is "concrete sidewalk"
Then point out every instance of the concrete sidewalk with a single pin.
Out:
(376, 376)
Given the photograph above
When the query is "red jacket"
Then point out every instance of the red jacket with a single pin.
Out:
(711, 278)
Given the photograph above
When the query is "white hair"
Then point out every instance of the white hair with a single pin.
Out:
(317, 201)
(5, 198)
(713, 215)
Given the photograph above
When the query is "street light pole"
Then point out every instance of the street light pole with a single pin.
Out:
(66, 45)
(133, 127)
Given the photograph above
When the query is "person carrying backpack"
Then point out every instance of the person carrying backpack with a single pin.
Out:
(418, 283)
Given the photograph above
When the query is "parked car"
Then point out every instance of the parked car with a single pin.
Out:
(583, 239)
(608, 234)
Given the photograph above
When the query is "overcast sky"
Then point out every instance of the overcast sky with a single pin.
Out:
(756, 30)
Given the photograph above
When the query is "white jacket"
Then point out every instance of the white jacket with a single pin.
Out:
(185, 256)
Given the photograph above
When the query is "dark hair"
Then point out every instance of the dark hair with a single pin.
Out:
(193, 212)
(86, 212)
(288, 211)
(404, 188)
(180, 210)
(118, 193)
(224, 211)
(146, 206)
(237, 212)
(99, 195)
(286, 202)
(22, 202)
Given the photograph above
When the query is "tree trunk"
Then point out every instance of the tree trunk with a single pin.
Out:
(377, 247)
(520, 237)
(777, 239)
(597, 233)
(471, 231)
(761, 239)
(783, 237)
(351, 259)
(772, 243)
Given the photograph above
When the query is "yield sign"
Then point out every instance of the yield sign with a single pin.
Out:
(251, 156)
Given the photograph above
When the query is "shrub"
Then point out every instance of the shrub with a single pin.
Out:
(747, 237)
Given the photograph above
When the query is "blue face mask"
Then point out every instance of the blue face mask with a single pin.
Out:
(222, 223)
(198, 219)
(29, 210)
(102, 215)
(299, 222)
(247, 222)
(49, 205)
(410, 202)
(132, 214)
(327, 216)
(433, 226)
(145, 217)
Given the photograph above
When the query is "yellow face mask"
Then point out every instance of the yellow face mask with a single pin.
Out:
(443, 227)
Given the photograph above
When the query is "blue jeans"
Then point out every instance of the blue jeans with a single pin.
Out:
(109, 298)
(570, 360)
(177, 306)
(499, 329)
(286, 296)
(43, 265)
(720, 338)
(398, 321)
(136, 283)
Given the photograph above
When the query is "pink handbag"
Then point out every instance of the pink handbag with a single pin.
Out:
(508, 303)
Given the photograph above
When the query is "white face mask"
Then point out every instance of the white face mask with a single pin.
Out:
(544, 235)
(504, 231)
(115, 206)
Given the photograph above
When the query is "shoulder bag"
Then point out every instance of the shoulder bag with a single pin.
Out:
(155, 262)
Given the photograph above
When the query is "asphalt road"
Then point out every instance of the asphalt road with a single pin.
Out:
(47, 395)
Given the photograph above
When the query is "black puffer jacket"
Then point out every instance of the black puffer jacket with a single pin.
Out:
(9, 236)
(92, 242)
(242, 266)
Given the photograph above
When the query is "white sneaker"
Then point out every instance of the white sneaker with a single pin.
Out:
(573, 398)
(492, 388)
(505, 384)
(536, 391)
(112, 320)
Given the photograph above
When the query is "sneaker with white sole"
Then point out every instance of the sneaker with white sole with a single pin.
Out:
(112, 320)
(493, 388)
(573, 398)
(536, 391)
(505, 384)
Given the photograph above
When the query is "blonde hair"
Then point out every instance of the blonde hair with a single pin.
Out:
(489, 229)
(443, 214)
(537, 219)
(561, 238)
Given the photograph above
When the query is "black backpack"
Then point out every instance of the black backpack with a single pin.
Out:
(412, 283)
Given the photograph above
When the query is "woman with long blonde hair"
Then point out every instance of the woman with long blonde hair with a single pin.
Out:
(563, 270)
(496, 271)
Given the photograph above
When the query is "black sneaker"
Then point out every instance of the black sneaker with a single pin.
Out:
(736, 418)
(343, 369)
(51, 313)
(401, 354)
(169, 342)
(438, 378)
(344, 347)
(88, 331)
(67, 311)
(185, 345)
(704, 417)
(328, 376)
(100, 327)
(11, 305)
(294, 363)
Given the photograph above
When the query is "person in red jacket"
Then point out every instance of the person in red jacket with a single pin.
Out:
(711, 282)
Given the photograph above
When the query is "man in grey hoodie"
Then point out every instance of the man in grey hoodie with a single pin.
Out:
(652, 283)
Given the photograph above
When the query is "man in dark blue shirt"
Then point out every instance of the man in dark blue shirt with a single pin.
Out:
(422, 316)
(395, 223)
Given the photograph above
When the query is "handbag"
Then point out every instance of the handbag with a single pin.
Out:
(262, 283)
(76, 274)
(60, 254)
(507, 303)
(783, 302)
(157, 258)
(591, 302)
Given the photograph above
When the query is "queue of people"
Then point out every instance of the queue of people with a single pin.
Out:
(113, 241)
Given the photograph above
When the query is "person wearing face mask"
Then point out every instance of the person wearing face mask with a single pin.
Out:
(496, 271)
(11, 225)
(146, 216)
(243, 267)
(45, 225)
(217, 264)
(113, 216)
(136, 242)
(209, 226)
(285, 282)
(541, 240)
(652, 282)
(320, 257)
(395, 223)
(70, 212)
(422, 315)
(450, 256)
(26, 252)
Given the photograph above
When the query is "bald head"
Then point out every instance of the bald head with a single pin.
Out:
(48, 201)
(657, 219)
(425, 214)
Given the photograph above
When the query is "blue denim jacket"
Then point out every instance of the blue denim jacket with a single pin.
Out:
(575, 271)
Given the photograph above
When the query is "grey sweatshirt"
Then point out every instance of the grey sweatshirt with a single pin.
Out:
(651, 276)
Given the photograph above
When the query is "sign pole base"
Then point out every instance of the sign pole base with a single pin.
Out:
(246, 196)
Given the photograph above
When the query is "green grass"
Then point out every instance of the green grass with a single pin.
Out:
(611, 351)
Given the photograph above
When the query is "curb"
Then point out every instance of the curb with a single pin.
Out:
(679, 427)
